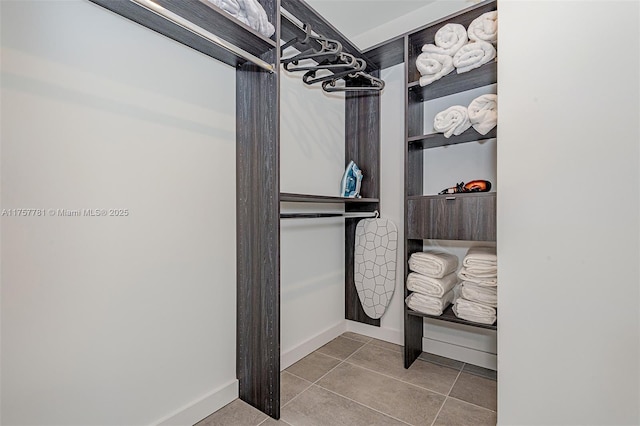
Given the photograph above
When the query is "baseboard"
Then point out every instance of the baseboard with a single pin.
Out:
(305, 348)
(193, 413)
(386, 334)
(460, 353)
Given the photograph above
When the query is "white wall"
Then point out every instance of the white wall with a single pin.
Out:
(113, 320)
(312, 250)
(568, 213)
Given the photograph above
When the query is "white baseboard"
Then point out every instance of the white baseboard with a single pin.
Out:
(193, 413)
(386, 334)
(295, 354)
(460, 353)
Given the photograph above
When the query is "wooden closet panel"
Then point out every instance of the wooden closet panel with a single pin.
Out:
(258, 236)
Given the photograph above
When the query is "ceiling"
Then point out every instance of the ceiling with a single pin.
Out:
(355, 17)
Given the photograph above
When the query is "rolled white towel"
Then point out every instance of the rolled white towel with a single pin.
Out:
(473, 311)
(450, 38)
(484, 28)
(476, 293)
(230, 6)
(473, 55)
(434, 264)
(436, 287)
(486, 278)
(452, 121)
(483, 113)
(428, 304)
(257, 17)
(433, 66)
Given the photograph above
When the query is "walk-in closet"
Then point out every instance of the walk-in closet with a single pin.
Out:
(319, 212)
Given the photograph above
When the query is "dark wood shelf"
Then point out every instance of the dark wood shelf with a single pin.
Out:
(306, 198)
(449, 316)
(434, 140)
(202, 14)
(388, 53)
(455, 83)
(460, 195)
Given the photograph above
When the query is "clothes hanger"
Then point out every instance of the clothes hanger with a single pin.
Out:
(345, 60)
(376, 84)
(310, 77)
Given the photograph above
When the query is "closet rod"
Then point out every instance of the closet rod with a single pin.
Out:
(323, 215)
(180, 21)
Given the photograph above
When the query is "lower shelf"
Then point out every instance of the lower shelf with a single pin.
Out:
(449, 316)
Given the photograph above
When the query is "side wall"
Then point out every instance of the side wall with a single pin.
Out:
(114, 320)
(568, 213)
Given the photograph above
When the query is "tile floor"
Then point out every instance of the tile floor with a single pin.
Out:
(355, 380)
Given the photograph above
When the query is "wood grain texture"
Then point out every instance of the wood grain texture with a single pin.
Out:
(306, 198)
(387, 54)
(362, 145)
(470, 217)
(449, 316)
(258, 234)
(208, 17)
(454, 83)
(434, 140)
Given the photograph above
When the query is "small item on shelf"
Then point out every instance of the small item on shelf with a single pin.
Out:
(452, 121)
(484, 27)
(483, 113)
(471, 186)
(351, 181)
(432, 65)
(249, 12)
(450, 38)
(473, 55)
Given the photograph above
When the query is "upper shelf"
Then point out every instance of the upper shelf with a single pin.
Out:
(434, 140)
(454, 83)
(202, 14)
(305, 198)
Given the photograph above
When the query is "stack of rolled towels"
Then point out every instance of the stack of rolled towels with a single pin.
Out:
(482, 114)
(460, 48)
(249, 12)
(478, 298)
(431, 281)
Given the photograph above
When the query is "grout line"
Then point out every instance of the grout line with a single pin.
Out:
(471, 403)
(356, 340)
(364, 405)
(398, 379)
(438, 413)
(454, 382)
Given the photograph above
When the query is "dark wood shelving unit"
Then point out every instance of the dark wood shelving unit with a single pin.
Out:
(449, 316)
(455, 83)
(434, 140)
(206, 16)
(307, 198)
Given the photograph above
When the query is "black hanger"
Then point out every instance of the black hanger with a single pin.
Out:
(375, 84)
(310, 77)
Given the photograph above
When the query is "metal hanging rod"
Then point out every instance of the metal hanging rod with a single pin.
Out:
(354, 215)
(189, 26)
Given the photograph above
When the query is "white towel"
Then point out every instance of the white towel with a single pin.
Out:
(476, 293)
(481, 259)
(428, 304)
(485, 279)
(434, 264)
(484, 28)
(452, 121)
(249, 12)
(483, 113)
(473, 311)
(450, 38)
(436, 287)
(433, 66)
(473, 55)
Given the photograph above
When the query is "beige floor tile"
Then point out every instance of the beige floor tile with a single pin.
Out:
(340, 347)
(398, 399)
(319, 407)
(480, 371)
(291, 386)
(440, 360)
(425, 374)
(313, 366)
(356, 336)
(271, 422)
(476, 390)
(237, 413)
(386, 345)
(459, 413)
